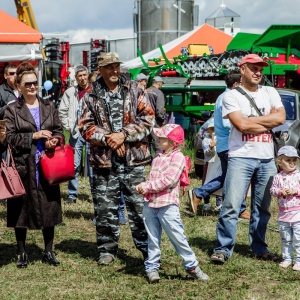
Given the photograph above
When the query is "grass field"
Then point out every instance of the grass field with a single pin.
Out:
(79, 277)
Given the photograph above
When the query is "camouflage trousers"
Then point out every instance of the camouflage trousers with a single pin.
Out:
(107, 187)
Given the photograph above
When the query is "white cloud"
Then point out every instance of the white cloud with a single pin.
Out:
(84, 35)
(114, 18)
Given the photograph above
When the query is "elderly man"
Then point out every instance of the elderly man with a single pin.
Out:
(157, 100)
(142, 80)
(69, 112)
(117, 118)
(8, 91)
(251, 158)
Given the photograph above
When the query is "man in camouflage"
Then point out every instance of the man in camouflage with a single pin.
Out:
(116, 120)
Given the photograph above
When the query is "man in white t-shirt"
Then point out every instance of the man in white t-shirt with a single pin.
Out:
(251, 158)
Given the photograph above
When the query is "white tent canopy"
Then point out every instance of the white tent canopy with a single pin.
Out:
(20, 52)
(137, 63)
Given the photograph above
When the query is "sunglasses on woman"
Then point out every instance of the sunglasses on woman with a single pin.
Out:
(29, 84)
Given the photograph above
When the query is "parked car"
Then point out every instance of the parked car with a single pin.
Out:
(289, 131)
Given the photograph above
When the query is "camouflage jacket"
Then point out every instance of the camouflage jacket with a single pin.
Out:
(138, 121)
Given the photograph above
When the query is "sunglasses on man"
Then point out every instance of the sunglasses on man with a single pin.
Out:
(11, 73)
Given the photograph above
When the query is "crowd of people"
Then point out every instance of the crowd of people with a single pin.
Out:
(114, 118)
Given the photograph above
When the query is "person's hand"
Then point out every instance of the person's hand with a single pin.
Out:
(114, 140)
(140, 189)
(42, 134)
(283, 192)
(273, 110)
(50, 144)
(212, 144)
(290, 192)
(121, 151)
(2, 133)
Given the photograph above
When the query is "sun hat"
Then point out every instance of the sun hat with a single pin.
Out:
(288, 151)
(252, 59)
(173, 132)
(210, 123)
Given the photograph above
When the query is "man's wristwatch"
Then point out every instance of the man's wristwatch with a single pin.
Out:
(125, 133)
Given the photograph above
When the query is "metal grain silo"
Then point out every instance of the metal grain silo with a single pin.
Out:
(161, 21)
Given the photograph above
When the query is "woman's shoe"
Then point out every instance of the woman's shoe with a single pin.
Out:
(22, 260)
(50, 258)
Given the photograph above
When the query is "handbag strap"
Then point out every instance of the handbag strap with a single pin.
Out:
(243, 92)
(61, 144)
(9, 157)
(5, 166)
(60, 138)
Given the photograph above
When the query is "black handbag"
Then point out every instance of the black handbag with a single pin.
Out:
(277, 141)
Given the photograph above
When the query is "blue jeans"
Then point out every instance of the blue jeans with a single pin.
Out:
(239, 173)
(78, 145)
(168, 219)
(290, 238)
(122, 202)
(209, 188)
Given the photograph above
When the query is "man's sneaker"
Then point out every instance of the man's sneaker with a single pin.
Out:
(207, 207)
(245, 215)
(296, 267)
(194, 200)
(106, 259)
(153, 276)
(197, 274)
(219, 200)
(122, 218)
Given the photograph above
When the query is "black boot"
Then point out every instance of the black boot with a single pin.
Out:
(49, 258)
(22, 260)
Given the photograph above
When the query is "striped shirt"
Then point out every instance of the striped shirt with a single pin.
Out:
(163, 186)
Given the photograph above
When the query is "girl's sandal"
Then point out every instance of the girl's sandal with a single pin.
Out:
(218, 258)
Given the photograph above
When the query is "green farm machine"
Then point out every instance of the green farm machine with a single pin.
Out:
(193, 82)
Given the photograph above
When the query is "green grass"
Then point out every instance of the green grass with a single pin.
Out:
(79, 277)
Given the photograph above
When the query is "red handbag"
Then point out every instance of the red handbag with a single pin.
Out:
(58, 164)
(11, 185)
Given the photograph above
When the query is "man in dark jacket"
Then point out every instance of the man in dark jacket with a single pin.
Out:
(8, 91)
(116, 120)
(157, 100)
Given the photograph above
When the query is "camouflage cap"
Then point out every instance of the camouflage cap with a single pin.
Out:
(108, 58)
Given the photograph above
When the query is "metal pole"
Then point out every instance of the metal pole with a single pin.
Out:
(139, 26)
(179, 18)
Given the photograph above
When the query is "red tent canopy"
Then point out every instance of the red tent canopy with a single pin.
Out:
(205, 34)
(15, 31)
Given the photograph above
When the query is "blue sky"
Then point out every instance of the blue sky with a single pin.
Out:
(83, 20)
